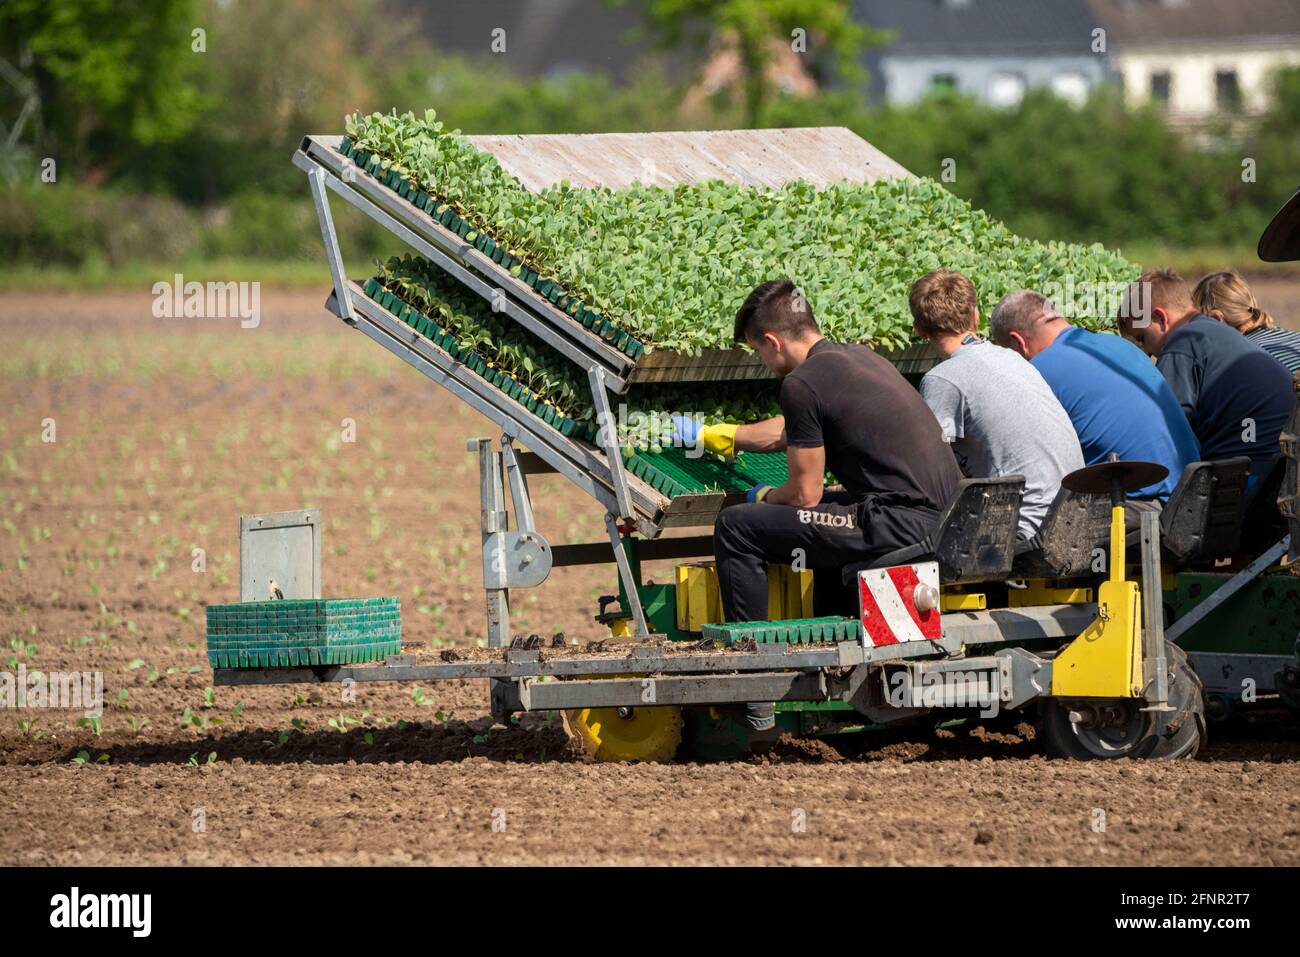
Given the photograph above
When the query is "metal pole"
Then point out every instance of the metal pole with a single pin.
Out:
(316, 177)
(493, 519)
(1155, 663)
(608, 439)
(625, 573)
(1229, 588)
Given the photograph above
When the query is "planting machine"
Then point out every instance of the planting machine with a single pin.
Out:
(1113, 641)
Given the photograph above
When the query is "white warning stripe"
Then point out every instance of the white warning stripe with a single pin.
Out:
(890, 604)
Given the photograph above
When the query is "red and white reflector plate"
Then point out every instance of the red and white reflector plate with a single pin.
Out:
(889, 604)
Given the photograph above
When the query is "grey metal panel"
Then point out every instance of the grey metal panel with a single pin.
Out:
(1017, 624)
(284, 547)
(659, 691)
(770, 157)
(1225, 674)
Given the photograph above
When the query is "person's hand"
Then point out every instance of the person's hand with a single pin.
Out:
(685, 430)
(719, 439)
(757, 493)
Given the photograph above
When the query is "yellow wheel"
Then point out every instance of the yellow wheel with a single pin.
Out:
(626, 734)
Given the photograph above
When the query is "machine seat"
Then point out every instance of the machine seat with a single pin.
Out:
(974, 539)
(1203, 519)
(1076, 524)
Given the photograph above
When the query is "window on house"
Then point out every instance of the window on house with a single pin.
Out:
(1227, 90)
(1160, 87)
(1006, 89)
(943, 81)
(1071, 87)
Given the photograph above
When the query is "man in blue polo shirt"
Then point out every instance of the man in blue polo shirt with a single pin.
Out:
(1236, 396)
(1116, 399)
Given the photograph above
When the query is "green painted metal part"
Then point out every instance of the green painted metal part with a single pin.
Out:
(299, 632)
(673, 472)
(1261, 619)
(796, 631)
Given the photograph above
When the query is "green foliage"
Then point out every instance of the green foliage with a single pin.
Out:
(671, 266)
(832, 34)
(119, 70)
(545, 373)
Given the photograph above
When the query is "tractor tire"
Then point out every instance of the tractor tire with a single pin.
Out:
(1141, 734)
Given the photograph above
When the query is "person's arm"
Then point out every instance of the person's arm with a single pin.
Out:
(804, 484)
(1183, 373)
(948, 405)
(765, 436)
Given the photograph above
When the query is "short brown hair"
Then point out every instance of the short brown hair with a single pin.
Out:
(942, 301)
(777, 305)
(1154, 289)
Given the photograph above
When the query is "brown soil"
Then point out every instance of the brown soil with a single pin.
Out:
(168, 430)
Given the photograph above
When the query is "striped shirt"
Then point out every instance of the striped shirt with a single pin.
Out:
(1282, 344)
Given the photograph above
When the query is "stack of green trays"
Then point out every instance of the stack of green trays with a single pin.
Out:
(548, 289)
(672, 472)
(796, 631)
(305, 631)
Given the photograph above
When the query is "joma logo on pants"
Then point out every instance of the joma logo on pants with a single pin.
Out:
(809, 517)
(102, 910)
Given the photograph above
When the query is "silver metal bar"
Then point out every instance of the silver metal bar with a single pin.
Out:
(451, 254)
(1229, 588)
(1155, 663)
(652, 691)
(494, 521)
(320, 198)
(655, 661)
(607, 438)
(625, 574)
(518, 487)
(1016, 624)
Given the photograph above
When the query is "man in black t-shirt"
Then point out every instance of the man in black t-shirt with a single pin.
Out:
(848, 410)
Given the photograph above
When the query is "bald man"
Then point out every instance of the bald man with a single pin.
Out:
(1116, 399)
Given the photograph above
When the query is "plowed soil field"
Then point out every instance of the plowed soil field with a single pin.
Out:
(166, 430)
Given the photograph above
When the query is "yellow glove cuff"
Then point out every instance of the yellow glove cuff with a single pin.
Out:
(720, 439)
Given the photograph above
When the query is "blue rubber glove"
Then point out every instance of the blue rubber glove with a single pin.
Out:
(685, 430)
(757, 493)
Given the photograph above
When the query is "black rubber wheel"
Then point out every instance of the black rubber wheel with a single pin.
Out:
(1140, 734)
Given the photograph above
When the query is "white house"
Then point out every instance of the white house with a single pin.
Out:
(994, 50)
(1198, 58)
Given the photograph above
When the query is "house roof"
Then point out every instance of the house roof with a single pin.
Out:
(541, 35)
(1130, 22)
(972, 27)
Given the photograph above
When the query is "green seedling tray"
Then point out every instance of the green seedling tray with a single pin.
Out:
(796, 631)
(673, 472)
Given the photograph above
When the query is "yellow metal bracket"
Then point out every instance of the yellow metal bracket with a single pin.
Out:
(1106, 660)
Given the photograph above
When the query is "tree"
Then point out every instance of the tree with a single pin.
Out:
(107, 71)
(831, 37)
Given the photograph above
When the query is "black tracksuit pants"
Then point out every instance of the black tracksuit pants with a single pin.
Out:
(825, 538)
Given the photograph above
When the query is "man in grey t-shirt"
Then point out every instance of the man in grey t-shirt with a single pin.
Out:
(993, 406)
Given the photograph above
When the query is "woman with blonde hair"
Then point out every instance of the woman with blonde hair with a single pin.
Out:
(1226, 297)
